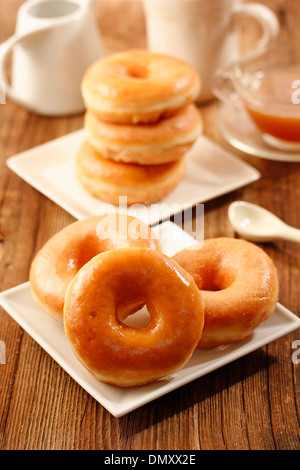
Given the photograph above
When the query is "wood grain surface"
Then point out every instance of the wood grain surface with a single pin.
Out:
(252, 403)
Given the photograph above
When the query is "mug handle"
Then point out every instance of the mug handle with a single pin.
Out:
(223, 80)
(265, 17)
(5, 49)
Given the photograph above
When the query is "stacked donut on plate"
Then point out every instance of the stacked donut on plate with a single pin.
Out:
(96, 272)
(141, 120)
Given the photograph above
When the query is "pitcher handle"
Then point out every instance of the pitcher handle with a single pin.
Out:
(5, 48)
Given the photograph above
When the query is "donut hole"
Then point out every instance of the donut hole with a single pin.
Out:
(139, 319)
(77, 260)
(212, 285)
(131, 301)
(81, 251)
(215, 279)
(137, 71)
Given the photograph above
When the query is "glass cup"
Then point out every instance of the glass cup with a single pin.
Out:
(267, 85)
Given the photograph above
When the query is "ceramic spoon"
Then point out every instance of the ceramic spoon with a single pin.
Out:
(257, 224)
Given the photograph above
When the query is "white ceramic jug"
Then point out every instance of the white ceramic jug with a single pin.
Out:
(54, 43)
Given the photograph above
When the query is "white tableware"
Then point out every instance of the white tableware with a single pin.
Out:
(258, 224)
(204, 33)
(238, 129)
(54, 43)
(49, 334)
(211, 172)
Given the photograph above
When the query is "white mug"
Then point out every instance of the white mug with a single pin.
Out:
(203, 33)
(54, 43)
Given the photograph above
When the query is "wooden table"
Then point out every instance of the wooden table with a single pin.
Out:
(252, 403)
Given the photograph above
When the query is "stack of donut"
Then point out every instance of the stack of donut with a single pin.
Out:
(140, 121)
(205, 296)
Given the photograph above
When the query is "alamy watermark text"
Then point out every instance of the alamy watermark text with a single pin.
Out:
(296, 93)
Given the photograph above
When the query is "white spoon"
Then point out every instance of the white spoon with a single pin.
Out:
(257, 224)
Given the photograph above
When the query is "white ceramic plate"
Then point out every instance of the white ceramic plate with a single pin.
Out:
(49, 334)
(211, 172)
(238, 129)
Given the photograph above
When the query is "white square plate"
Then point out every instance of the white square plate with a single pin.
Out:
(19, 303)
(211, 172)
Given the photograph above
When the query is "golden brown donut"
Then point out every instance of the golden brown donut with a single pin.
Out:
(138, 86)
(109, 180)
(239, 285)
(124, 355)
(164, 141)
(58, 261)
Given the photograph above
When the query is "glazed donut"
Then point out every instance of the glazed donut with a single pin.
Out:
(58, 261)
(124, 355)
(239, 285)
(141, 184)
(164, 141)
(138, 86)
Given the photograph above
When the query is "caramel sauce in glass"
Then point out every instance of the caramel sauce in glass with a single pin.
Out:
(273, 109)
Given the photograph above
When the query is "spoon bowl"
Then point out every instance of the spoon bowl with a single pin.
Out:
(258, 224)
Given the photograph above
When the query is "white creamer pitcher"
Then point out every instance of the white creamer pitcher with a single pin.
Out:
(54, 43)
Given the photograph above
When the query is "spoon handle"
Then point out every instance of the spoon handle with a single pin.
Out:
(291, 234)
